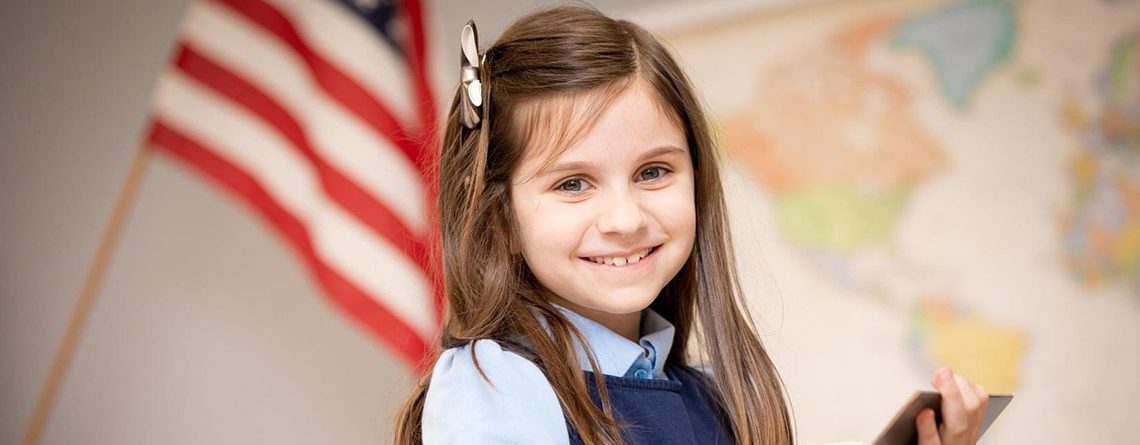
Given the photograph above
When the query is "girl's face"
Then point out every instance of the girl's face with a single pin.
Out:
(611, 220)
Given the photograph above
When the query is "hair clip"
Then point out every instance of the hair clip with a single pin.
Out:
(469, 77)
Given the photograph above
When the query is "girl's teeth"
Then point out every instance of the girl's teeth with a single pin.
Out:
(622, 261)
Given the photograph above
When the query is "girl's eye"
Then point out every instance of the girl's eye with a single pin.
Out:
(572, 185)
(652, 173)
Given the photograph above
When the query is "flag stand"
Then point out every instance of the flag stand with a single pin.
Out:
(86, 299)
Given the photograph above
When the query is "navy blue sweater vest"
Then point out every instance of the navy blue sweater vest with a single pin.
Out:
(663, 412)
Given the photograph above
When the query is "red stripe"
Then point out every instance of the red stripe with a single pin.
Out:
(341, 189)
(417, 53)
(338, 85)
(352, 300)
(418, 56)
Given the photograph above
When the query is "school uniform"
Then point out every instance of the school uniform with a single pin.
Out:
(656, 402)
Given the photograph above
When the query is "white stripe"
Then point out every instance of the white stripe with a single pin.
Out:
(365, 260)
(338, 136)
(356, 47)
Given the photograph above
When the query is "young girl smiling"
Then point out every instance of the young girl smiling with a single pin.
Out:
(585, 243)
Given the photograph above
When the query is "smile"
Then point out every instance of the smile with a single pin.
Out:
(622, 261)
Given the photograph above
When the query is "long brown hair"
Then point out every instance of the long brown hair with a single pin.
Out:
(544, 83)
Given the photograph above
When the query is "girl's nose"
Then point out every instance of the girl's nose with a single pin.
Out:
(622, 214)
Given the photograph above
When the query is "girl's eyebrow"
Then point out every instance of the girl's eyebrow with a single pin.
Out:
(586, 165)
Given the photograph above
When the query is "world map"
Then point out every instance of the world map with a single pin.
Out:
(932, 184)
(844, 155)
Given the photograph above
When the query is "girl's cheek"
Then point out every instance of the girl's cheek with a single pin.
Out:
(678, 200)
(557, 225)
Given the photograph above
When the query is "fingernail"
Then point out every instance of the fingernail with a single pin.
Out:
(945, 377)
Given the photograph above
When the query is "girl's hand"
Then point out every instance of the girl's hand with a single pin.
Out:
(963, 406)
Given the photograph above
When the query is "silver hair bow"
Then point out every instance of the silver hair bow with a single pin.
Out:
(469, 77)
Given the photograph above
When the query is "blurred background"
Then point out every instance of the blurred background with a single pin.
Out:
(913, 184)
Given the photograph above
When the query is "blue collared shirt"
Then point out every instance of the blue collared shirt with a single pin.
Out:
(518, 405)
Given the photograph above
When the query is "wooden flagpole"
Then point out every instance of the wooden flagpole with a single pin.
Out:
(86, 299)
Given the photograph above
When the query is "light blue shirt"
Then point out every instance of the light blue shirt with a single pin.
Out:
(518, 405)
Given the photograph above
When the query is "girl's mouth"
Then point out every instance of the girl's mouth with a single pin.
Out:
(625, 261)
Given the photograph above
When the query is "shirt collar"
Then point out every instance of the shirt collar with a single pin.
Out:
(616, 354)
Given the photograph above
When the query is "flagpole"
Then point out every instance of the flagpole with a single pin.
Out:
(86, 299)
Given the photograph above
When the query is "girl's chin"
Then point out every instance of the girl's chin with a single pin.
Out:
(616, 305)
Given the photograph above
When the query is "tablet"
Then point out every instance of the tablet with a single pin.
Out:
(902, 431)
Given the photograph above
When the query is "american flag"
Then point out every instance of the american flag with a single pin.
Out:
(318, 115)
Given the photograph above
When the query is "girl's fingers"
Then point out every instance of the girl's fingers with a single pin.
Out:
(963, 407)
(983, 401)
(927, 430)
(975, 410)
(937, 375)
(955, 419)
(969, 395)
(983, 396)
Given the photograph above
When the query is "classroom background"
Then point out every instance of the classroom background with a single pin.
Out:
(913, 184)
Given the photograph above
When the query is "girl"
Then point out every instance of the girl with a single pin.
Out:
(585, 243)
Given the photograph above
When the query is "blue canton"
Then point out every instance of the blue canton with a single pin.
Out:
(382, 15)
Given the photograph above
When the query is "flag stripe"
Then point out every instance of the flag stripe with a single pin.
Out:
(350, 43)
(340, 241)
(374, 317)
(332, 80)
(413, 10)
(339, 188)
(339, 137)
(418, 54)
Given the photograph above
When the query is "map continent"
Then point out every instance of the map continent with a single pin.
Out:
(1102, 229)
(963, 43)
